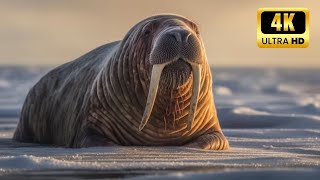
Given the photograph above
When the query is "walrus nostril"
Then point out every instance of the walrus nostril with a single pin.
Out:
(180, 35)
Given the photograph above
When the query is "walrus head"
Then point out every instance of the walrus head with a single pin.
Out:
(175, 54)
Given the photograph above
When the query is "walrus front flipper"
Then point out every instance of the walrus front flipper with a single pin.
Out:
(211, 141)
(90, 137)
(94, 141)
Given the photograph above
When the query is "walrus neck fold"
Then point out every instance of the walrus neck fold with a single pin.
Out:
(153, 89)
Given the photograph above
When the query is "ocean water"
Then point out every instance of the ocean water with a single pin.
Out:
(270, 116)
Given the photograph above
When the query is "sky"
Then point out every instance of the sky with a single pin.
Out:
(47, 32)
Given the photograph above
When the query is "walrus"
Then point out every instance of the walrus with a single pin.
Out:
(153, 88)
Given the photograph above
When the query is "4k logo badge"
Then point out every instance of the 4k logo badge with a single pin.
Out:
(283, 27)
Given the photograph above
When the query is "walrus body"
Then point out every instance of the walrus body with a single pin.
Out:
(152, 88)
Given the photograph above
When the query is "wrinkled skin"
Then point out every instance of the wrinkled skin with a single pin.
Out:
(154, 87)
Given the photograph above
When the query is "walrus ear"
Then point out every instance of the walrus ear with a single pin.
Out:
(153, 89)
(196, 72)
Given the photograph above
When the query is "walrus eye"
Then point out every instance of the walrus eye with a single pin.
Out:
(195, 29)
(147, 32)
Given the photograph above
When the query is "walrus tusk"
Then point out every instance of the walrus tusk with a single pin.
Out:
(196, 70)
(153, 89)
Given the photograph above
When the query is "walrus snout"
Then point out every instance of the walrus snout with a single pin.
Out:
(177, 42)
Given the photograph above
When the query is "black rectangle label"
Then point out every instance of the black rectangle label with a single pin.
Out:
(283, 22)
